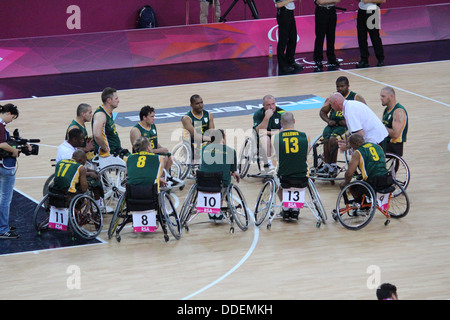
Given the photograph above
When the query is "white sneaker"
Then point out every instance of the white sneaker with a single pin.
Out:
(268, 169)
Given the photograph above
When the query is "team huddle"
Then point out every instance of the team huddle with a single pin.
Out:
(282, 150)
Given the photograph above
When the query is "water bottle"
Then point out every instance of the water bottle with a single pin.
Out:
(270, 51)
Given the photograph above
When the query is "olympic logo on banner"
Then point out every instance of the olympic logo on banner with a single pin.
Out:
(272, 35)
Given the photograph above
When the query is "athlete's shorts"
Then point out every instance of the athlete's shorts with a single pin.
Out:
(333, 131)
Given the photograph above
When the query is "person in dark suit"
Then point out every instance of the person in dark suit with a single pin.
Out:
(287, 37)
(325, 18)
(368, 21)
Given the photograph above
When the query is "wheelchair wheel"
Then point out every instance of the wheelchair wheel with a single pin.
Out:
(47, 184)
(398, 168)
(245, 156)
(399, 202)
(85, 217)
(182, 156)
(170, 214)
(42, 215)
(238, 206)
(355, 212)
(315, 156)
(264, 202)
(189, 207)
(113, 179)
(119, 217)
(317, 203)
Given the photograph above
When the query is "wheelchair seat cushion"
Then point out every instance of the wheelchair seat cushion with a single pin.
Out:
(383, 183)
(287, 182)
(58, 198)
(141, 197)
(209, 181)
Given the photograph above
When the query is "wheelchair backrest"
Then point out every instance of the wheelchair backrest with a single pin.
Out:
(57, 198)
(293, 182)
(209, 181)
(141, 197)
(383, 184)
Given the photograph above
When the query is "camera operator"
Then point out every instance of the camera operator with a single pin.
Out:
(8, 113)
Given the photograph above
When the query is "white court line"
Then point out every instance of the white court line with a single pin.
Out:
(209, 82)
(101, 241)
(241, 262)
(397, 88)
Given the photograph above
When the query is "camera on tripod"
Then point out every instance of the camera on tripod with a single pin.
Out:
(250, 3)
(21, 144)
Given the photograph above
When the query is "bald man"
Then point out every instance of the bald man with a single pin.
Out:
(359, 119)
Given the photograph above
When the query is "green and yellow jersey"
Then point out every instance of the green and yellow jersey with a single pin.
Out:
(67, 176)
(291, 147)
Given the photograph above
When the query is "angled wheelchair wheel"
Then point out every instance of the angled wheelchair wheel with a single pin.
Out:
(47, 183)
(238, 207)
(245, 156)
(317, 203)
(170, 214)
(189, 207)
(118, 219)
(398, 168)
(113, 179)
(315, 156)
(85, 216)
(356, 205)
(42, 215)
(182, 156)
(264, 202)
(399, 203)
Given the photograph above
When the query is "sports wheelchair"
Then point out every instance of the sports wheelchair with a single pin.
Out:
(206, 195)
(78, 213)
(294, 192)
(249, 154)
(112, 173)
(358, 200)
(145, 207)
(183, 156)
(395, 164)
(316, 161)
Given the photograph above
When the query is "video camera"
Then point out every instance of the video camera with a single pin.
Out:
(19, 143)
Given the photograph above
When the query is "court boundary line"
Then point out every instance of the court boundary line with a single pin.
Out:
(397, 88)
(101, 241)
(221, 81)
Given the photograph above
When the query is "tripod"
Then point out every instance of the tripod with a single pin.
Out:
(251, 4)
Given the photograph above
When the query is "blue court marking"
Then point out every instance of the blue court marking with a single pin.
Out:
(222, 110)
(22, 217)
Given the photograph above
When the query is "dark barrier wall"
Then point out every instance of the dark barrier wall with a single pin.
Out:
(31, 18)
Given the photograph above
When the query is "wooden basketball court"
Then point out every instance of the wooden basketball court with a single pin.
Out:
(290, 261)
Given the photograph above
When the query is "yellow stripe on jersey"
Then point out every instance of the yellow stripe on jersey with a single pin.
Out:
(362, 166)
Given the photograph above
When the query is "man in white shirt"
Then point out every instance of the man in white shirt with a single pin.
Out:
(360, 119)
(67, 148)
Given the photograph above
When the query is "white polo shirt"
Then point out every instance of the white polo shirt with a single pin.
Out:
(360, 117)
(368, 6)
(289, 6)
(65, 151)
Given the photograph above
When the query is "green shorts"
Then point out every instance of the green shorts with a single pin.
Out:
(333, 131)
